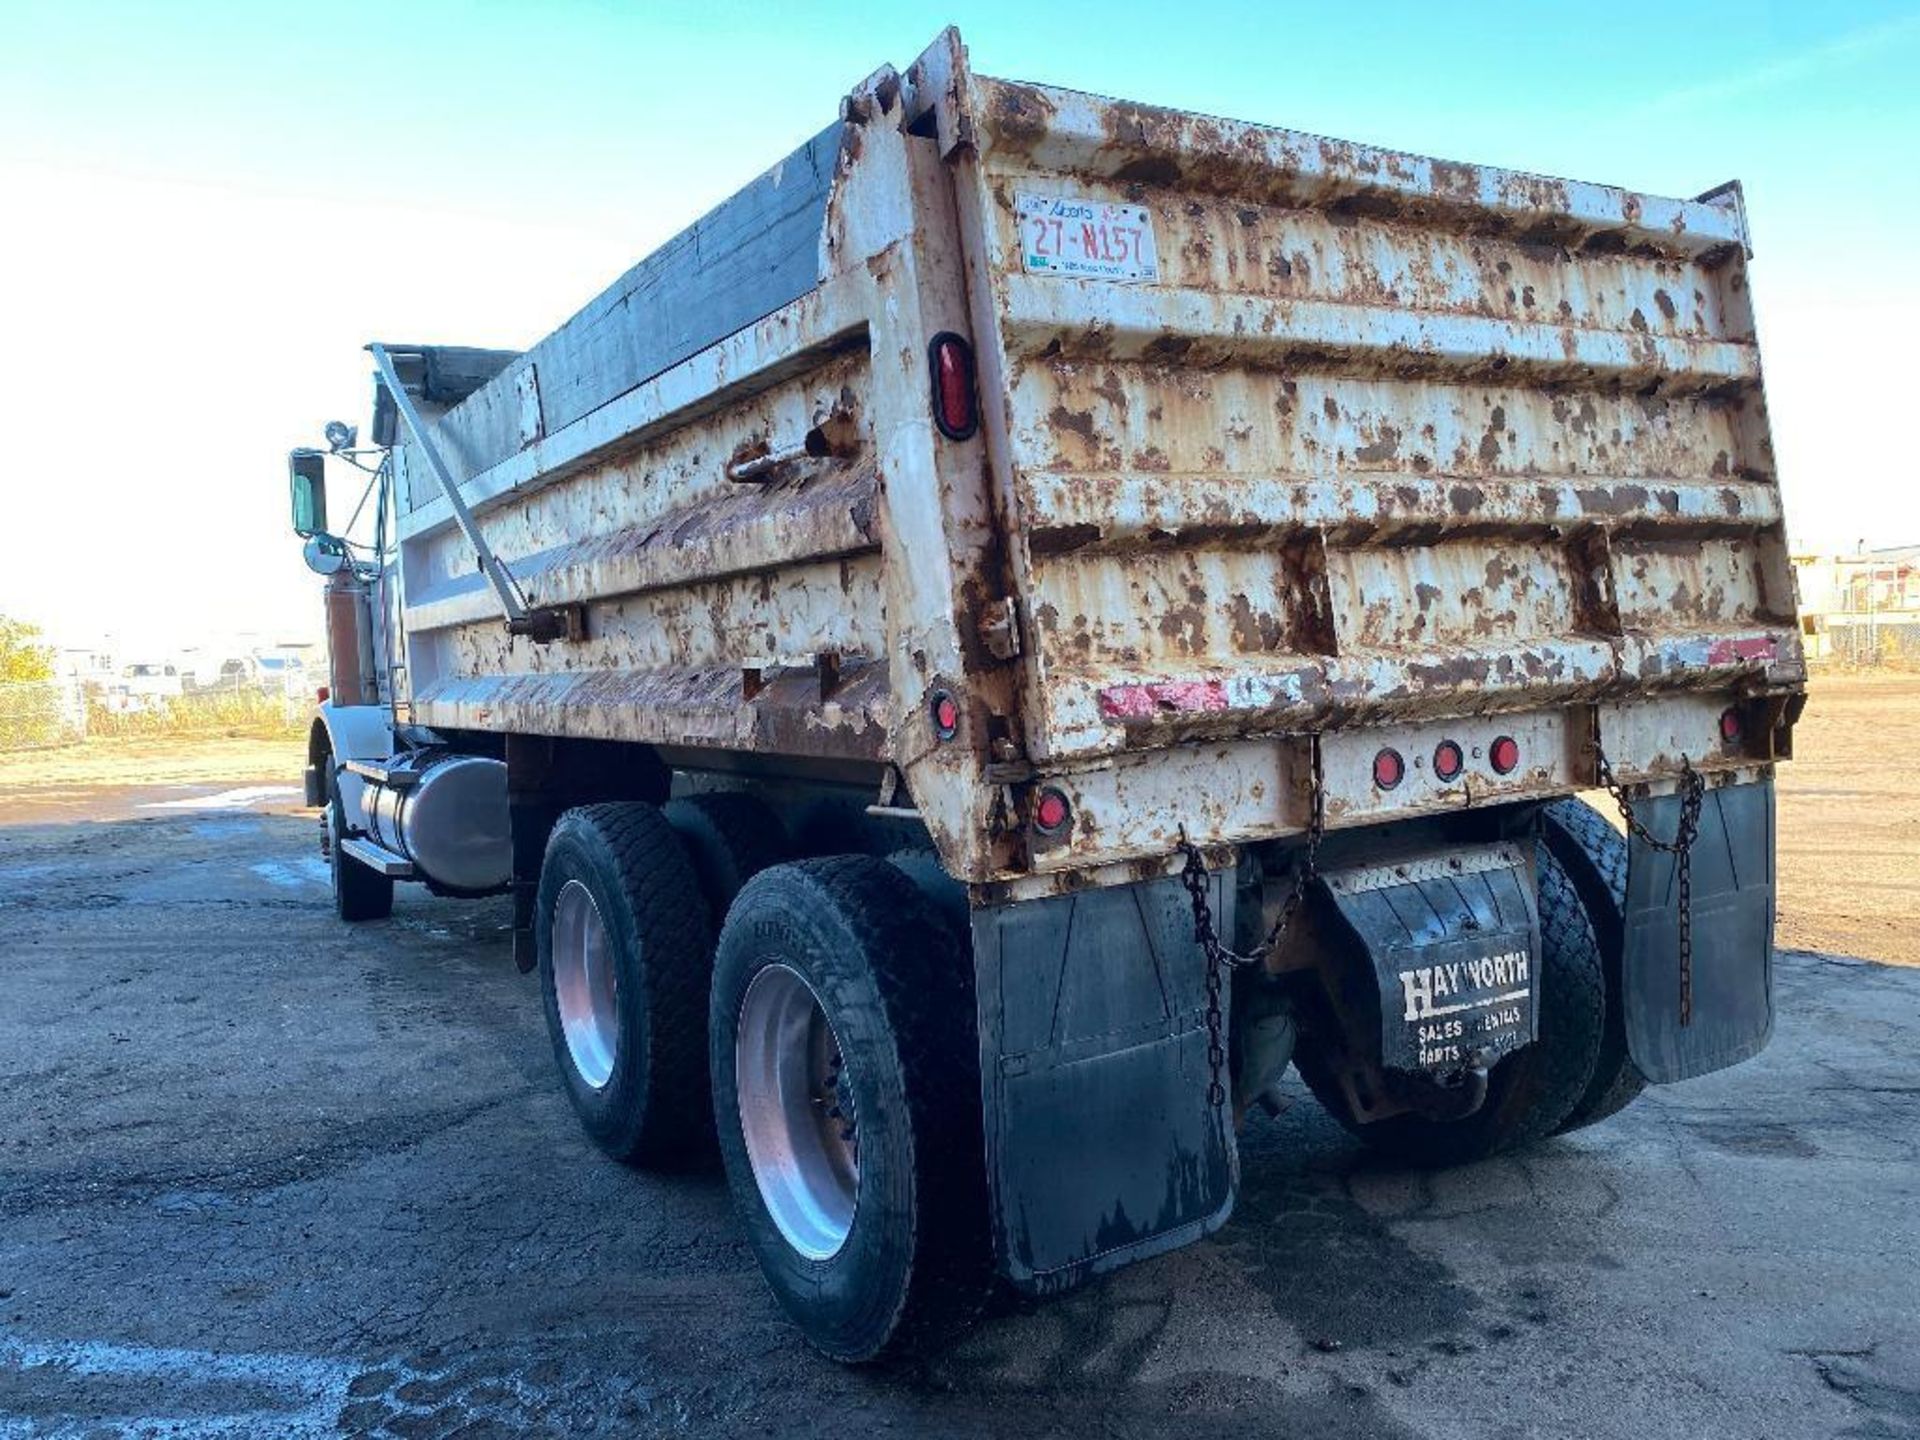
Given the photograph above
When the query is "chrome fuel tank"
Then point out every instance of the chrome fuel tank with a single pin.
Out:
(449, 818)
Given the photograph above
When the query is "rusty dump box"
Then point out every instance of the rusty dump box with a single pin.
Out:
(1084, 473)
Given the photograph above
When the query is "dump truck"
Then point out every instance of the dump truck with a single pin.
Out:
(1040, 614)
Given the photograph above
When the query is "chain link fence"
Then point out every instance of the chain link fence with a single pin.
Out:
(40, 714)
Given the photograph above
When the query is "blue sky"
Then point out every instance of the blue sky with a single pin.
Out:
(212, 206)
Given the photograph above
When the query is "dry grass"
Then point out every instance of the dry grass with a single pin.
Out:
(221, 712)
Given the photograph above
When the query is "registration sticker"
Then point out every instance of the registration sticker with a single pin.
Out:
(1086, 239)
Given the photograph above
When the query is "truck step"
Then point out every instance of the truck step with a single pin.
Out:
(377, 857)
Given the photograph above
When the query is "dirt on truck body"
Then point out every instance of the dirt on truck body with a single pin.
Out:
(1042, 611)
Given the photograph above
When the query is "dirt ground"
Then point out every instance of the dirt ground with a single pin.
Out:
(1850, 820)
(119, 779)
(266, 1175)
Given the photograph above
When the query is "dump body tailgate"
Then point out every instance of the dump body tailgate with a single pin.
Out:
(1301, 435)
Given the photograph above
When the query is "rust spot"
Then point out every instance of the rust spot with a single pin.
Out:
(1078, 422)
(1186, 627)
(1059, 539)
(1665, 302)
(1149, 170)
(1022, 116)
(1254, 630)
(1167, 349)
(1384, 447)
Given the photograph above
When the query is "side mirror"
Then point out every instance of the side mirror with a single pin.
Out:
(307, 480)
(325, 555)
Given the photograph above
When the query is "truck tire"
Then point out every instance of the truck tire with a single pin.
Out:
(1594, 855)
(730, 837)
(625, 945)
(359, 891)
(1530, 1092)
(847, 1097)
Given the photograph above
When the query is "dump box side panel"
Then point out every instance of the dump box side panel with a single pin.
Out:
(743, 260)
(1357, 438)
(688, 463)
(708, 603)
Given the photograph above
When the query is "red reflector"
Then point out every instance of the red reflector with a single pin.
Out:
(946, 715)
(1732, 726)
(1388, 769)
(1448, 760)
(954, 408)
(1505, 755)
(322, 694)
(1052, 812)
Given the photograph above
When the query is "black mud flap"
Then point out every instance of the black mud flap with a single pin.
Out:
(1455, 943)
(1102, 1147)
(1732, 1015)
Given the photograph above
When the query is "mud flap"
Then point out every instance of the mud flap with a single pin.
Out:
(1732, 937)
(1454, 941)
(1102, 1147)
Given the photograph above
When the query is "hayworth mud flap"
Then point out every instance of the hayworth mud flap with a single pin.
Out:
(1454, 941)
(1102, 1147)
(1726, 1015)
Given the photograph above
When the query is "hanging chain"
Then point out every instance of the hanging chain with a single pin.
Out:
(1220, 959)
(1693, 791)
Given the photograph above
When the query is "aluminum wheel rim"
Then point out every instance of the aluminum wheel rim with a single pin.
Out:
(584, 985)
(796, 1112)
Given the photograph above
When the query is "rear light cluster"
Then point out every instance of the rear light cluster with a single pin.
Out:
(956, 406)
(1449, 762)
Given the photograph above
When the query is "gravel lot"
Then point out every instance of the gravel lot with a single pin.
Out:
(262, 1175)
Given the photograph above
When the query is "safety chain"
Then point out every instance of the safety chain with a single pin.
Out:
(1220, 959)
(1693, 791)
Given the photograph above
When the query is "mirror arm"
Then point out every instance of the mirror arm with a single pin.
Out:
(498, 576)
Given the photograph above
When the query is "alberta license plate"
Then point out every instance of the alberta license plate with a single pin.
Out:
(1086, 239)
(1461, 997)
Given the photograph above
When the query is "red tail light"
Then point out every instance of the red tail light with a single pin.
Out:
(1051, 812)
(322, 694)
(1732, 725)
(1448, 760)
(1388, 769)
(1504, 753)
(945, 711)
(956, 406)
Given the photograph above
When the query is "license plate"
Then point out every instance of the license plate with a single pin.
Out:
(1463, 997)
(1086, 239)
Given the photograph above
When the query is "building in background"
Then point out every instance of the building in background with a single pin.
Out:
(1863, 608)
